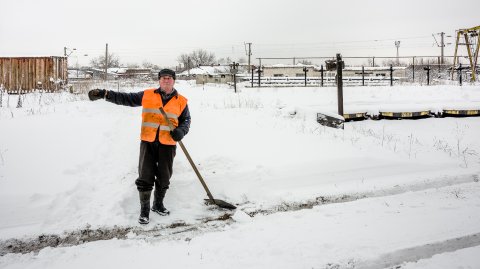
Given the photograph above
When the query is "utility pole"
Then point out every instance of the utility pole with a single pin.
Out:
(442, 35)
(249, 53)
(106, 60)
(397, 44)
(441, 45)
(65, 53)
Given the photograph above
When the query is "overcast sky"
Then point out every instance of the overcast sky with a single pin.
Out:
(159, 31)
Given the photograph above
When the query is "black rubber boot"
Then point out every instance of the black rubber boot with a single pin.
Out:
(144, 207)
(158, 207)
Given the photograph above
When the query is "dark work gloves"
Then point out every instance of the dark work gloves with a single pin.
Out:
(177, 134)
(96, 94)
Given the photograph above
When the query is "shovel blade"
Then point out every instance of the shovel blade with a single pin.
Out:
(220, 203)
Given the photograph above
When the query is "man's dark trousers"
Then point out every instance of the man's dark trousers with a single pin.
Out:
(155, 166)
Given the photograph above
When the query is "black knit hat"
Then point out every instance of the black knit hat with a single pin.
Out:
(167, 72)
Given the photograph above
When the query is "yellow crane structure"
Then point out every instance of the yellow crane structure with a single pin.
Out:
(472, 41)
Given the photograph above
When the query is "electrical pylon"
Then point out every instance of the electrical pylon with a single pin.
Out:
(472, 41)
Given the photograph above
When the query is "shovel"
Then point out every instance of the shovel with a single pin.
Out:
(210, 199)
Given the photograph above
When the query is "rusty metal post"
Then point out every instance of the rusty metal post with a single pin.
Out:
(340, 84)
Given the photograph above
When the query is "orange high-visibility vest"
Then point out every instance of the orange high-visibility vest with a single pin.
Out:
(152, 119)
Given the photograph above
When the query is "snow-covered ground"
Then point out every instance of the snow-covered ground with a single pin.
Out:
(374, 195)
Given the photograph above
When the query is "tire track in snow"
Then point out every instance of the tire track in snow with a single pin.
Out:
(397, 258)
(345, 198)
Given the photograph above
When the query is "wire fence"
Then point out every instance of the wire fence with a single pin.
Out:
(422, 70)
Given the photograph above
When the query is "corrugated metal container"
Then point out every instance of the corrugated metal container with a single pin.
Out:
(29, 73)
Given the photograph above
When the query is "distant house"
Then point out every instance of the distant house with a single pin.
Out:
(121, 73)
(284, 70)
(26, 74)
(79, 75)
(215, 78)
(132, 72)
(210, 74)
(292, 71)
(100, 73)
(379, 71)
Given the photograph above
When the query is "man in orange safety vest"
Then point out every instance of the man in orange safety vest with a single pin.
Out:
(158, 142)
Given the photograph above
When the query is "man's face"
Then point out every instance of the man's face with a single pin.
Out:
(166, 83)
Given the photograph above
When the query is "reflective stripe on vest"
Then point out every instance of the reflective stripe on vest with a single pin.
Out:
(157, 111)
(152, 119)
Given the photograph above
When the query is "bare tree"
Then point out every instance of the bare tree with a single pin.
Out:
(392, 62)
(133, 65)
(147, 64)
(196, 58)
(99, 62)
(227, 60)
(184, 59)
(202, 57)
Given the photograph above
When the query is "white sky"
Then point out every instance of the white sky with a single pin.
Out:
(159, 31)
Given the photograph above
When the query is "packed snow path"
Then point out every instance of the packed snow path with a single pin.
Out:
(375, 232)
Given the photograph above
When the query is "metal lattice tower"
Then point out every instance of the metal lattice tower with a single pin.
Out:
(472, 42)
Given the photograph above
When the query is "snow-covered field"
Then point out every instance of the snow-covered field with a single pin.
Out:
(374, 195)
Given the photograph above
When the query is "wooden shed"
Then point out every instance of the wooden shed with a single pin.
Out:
(29, 73)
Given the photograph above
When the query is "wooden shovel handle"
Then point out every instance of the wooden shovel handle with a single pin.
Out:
(210, 196)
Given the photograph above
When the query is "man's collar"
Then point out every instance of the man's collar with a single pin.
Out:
(161, 92)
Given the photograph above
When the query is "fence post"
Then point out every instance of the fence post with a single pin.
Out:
(253, 68)
(438, 61)
(363, 75)
(259, 71)
(19, 103)
(460, 73)
(391, 75)
(413, 69)
(233, 71)
(235, 82)
(428, 74)
(321, 75)
(340, 65)
(305, 70)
